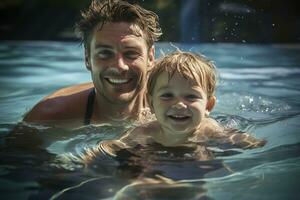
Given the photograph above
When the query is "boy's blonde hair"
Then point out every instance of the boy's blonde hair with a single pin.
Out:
(194, 67)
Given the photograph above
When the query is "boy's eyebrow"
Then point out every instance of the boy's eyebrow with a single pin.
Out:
(193, 89)
(163, 88)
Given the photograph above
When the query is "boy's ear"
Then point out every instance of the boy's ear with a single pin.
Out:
(150, 102)
(87, 61)
(211, 103)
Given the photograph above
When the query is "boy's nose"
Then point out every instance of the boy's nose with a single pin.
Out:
(179, 105)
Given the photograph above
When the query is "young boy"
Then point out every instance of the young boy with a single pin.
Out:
(181, 95)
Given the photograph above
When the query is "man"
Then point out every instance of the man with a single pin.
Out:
(118, 40)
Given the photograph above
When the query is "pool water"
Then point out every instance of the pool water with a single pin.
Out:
(258, 92)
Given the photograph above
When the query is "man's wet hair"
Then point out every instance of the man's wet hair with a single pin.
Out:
(101, 12)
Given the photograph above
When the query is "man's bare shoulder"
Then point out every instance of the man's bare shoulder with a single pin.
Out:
(71, 90)
(63, 104)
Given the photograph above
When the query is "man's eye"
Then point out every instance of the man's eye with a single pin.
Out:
(166, 96)
(131, 55)
(105, 54)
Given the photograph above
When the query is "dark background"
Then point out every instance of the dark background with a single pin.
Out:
(197, 21)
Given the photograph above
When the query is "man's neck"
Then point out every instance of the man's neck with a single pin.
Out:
(107, 112)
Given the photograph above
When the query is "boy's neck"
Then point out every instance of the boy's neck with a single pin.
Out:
(168, 138)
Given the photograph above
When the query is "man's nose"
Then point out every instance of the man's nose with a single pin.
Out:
(120, 64)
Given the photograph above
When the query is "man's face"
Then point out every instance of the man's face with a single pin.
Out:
(118, 61)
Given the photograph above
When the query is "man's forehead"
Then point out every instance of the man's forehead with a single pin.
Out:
(120, 28)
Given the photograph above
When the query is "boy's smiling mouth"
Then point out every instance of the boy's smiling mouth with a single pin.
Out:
(178, 117)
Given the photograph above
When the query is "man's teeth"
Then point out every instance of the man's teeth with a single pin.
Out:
(118, 81)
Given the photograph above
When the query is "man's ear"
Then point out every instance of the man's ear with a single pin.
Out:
(211, 103)
(87, 61)
(151, 57)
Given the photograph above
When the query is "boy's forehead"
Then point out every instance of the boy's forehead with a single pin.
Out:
(166, 78)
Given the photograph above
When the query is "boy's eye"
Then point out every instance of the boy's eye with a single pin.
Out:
(192, 97)
(105, 54)
(131, 54)
(166, 96)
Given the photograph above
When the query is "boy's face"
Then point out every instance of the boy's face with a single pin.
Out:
(118, 60)
(178, 104)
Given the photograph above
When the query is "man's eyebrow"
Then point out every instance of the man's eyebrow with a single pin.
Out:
(103, 46)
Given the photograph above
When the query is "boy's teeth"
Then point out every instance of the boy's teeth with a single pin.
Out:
(179, 116)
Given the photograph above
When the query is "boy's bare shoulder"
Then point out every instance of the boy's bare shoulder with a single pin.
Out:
(210, 128)
(61, 105)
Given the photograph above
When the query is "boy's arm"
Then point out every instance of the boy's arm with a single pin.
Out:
(212, 131)
(108, 148)
(243, 140)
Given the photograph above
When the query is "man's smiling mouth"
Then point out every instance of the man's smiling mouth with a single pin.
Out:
(118, 81)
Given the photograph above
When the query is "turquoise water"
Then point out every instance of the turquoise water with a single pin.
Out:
(258, 92)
